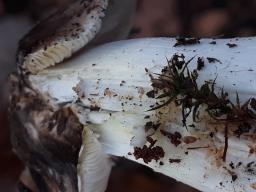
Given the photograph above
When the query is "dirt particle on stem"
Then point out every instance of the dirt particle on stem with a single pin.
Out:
(189, 139)
(151, 94)
(186, 41)
(174, 160)
(213, 60)
(150, 125)
(149, 153)
(175, 138)
(231, 45)
(200, 63)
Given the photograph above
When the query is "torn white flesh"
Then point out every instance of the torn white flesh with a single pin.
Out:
(113, 78)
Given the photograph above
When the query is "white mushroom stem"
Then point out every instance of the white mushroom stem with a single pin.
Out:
(113, 79)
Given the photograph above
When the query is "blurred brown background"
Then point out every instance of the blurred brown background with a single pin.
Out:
(207, 18)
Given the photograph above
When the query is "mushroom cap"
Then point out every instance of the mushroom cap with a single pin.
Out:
(72, 28)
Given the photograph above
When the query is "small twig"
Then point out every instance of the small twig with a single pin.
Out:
(226, 144)
(194, 148)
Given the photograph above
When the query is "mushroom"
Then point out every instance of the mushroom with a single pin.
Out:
(83, 23)
(118, 99)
